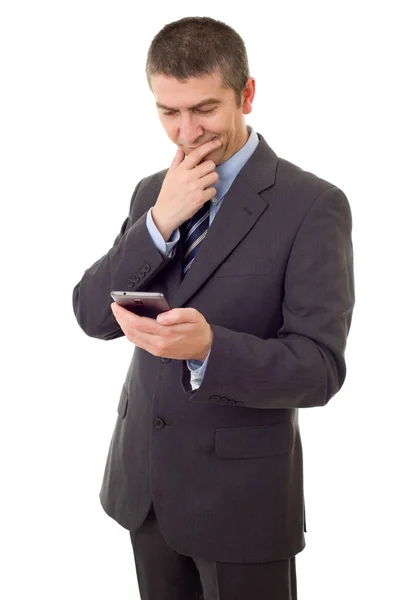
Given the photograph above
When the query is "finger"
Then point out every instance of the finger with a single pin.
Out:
(146, 325)
(209, 194)
(179, 157)
(208, 166)
(196, 155)
(122, 312)
(167, 318)
(118, 311)
(209, 179)
(131, 320)
(142, 340)
(177, 315)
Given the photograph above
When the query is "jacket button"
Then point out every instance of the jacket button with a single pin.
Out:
(136, 279)
(159, 423)
(215, 398)
(165, 359)
(146, 268)
(141, 273)
(130, 283)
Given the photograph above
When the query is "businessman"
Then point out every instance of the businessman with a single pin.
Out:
(254, 256)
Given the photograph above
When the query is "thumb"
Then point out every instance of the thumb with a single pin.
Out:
(167, 318)
(178, 159)
(178, 315)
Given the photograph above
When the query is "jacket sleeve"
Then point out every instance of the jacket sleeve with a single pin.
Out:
(304, 365)
(130, 264)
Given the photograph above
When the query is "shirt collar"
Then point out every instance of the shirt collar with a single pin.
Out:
(227, 171)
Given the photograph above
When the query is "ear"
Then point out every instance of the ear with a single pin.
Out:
(248, 95)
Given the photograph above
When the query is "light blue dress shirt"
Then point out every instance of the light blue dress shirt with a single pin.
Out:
(227, 172)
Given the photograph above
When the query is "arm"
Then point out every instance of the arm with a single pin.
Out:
(166, 248)
(304, 365)
(131, 263)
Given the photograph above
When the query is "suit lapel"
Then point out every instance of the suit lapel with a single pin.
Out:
(241, 208)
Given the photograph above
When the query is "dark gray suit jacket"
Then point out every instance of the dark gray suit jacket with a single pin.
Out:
(274, 278)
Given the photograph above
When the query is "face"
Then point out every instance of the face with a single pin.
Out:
(197, 110)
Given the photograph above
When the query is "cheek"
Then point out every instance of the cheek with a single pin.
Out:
(170, 129)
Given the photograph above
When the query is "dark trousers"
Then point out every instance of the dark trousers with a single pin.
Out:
(164, 574)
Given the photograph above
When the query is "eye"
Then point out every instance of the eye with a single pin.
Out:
(171, 113)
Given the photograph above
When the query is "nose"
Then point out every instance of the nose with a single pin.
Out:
(190, 130)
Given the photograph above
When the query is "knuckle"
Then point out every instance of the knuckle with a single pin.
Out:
(197, 186)
(158, 348)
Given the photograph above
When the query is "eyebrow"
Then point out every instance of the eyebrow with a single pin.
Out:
(199, 105)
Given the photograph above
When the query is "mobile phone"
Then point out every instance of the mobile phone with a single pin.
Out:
(144, 304)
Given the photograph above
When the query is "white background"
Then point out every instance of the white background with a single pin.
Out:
(79, 129)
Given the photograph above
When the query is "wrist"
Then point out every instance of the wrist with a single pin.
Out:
(207, 348)
(165, 231)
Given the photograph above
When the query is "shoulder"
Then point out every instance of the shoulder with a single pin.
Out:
(293, 178)
(302, 194)
(291, 184)
(298, 190)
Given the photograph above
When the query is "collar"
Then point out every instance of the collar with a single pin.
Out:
(227, 171)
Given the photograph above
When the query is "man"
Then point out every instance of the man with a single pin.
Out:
(254, 256)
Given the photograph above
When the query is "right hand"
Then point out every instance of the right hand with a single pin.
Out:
(185, 189)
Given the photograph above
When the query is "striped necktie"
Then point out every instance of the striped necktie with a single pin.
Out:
(195, 232)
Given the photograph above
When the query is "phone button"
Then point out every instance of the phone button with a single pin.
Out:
(165, 359)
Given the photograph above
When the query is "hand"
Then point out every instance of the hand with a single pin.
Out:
(180, 333)
(185, 189)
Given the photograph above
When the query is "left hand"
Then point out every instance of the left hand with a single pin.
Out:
(180, 333)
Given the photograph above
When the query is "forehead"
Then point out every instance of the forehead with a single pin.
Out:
(180, 94)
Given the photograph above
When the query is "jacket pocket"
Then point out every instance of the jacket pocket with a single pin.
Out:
(123, 403)
(255, 442)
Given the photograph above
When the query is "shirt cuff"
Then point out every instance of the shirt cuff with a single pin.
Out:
(197, 367)
(197, 371)
(165, 248)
